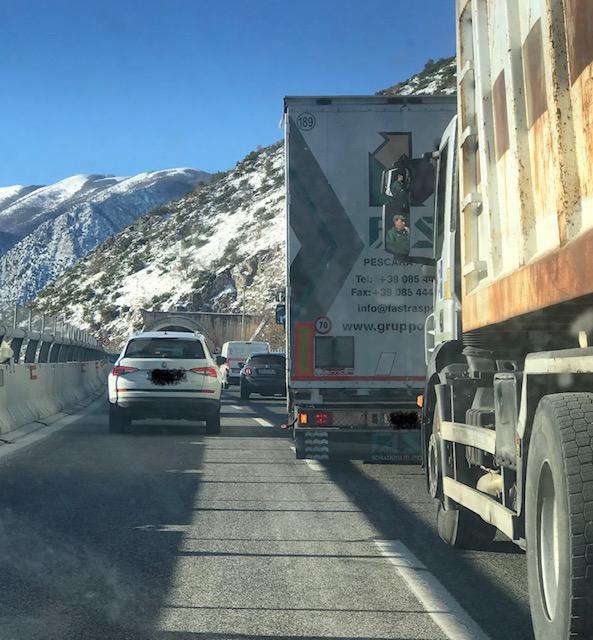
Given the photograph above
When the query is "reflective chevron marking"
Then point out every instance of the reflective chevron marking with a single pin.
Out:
(330, 244)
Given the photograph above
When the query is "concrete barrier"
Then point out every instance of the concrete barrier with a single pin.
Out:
(32, 392)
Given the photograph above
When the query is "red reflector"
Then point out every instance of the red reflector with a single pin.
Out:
(121, 370)
(323, 418)
(248, 371)
(209, 372)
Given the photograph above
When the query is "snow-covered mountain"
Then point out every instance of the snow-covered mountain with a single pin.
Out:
(203, 251)
(437, 78)
(46, 230)
(8, 195)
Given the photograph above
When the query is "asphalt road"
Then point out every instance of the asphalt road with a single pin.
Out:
(166, 533)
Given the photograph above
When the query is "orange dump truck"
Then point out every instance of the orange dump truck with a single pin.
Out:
(508, 402)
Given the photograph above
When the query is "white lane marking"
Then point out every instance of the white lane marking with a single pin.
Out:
(43, 432)
(263, 423)
(440, 605)
(313, 464)
(237, 407)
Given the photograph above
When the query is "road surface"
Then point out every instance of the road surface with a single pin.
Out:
(166, 533)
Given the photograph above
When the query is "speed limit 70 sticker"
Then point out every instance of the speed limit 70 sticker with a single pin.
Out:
(323, 325)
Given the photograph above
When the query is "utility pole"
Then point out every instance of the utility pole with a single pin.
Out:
(243, 314)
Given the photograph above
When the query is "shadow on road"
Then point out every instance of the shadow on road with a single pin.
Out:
(487, 601)
(90, 529)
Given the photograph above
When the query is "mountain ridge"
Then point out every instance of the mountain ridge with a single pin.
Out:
(47, 230)
(202, 252)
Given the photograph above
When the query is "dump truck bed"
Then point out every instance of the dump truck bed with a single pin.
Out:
(526, 156)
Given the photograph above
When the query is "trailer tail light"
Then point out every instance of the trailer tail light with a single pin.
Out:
(316, 419)
(120, 370)
(247, 371)
(209, 372)
(323, 418)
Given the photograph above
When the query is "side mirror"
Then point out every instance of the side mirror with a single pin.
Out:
(429, 271)
(281, 314)
(220, 360)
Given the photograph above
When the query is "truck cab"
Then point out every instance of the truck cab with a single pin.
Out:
(443, 324)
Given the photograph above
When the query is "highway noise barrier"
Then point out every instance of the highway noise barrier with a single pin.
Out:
(32, 392)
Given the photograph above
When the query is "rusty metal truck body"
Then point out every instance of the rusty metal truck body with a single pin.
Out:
(508, 403)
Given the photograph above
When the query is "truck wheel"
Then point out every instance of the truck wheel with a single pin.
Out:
(118, 420)
(213, 424)
(559, 516)
(433, 465)
(458, 527)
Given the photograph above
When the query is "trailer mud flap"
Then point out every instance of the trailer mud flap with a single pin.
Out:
(402, 446)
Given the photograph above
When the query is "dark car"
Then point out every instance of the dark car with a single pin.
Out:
(263, 373)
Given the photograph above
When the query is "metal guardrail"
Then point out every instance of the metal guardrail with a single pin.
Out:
(30, 336)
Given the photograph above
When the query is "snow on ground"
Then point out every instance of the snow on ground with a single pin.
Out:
(208, 248)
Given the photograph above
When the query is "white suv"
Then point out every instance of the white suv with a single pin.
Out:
(168, 375)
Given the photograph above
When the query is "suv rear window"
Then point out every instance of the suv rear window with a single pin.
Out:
(174, 348)
(267, 359)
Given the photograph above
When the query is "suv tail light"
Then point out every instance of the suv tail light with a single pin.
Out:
(120, 370)
(209, 372)
(247, 371)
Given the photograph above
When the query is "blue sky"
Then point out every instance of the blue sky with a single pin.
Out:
(127, 86)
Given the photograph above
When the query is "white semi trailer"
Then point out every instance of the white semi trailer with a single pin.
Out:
(356, 297)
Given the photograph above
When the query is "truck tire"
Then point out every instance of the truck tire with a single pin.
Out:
(118, 419)
(559, 516)
(213, 424)
(433, 467)
(458, 527)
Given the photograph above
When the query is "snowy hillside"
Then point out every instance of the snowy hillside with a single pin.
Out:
(24, 214)
(8, 195)
(44, 232)
(200, 252)
(437, 78)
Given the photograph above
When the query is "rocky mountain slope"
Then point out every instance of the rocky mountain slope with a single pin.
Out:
(437, 78)
(45, 230)
(203, 251)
